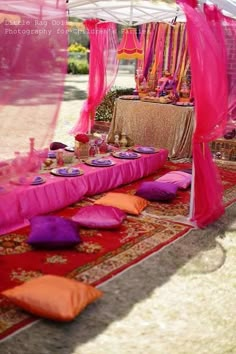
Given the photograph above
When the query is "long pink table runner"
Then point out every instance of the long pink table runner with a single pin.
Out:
(23, 202)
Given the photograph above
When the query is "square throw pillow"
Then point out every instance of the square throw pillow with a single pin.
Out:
(130, 204)
(53, 232)
(99, 216)
(181, 179)
(159, 191)
(53, 297)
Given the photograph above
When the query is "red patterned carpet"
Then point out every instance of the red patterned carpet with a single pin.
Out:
(102, 253)
(180, 205)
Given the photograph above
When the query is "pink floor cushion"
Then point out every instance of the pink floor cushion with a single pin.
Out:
(181, 179)
(53, 232)
(159, 191)
(99, 216)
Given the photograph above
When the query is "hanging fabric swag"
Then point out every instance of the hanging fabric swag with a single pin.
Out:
(209, 79)
(165, 49)
(103, 66)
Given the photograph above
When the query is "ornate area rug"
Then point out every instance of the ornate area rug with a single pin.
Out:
(100, 256)
(180, 205)
(102, 253)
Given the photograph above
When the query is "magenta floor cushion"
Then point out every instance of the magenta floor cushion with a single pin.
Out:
(99, 216)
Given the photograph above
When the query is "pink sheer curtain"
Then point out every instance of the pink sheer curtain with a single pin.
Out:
(209, 79)
(103, 66)
(33, 63)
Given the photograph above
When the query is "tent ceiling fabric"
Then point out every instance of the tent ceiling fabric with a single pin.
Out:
(135, 12)
(126, 12)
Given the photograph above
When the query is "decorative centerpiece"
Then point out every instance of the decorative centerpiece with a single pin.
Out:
(81, 146)
(166, 85)
(184, 93)
(141, 83)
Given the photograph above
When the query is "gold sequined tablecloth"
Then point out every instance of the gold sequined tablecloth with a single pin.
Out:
(161, 125)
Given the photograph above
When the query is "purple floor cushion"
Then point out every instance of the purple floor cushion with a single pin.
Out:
(99, 216)
(159, 191)
(53, 232)
(179, 178)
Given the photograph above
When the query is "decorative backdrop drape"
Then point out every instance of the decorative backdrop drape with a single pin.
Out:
(209, 79)
(165, 49)
(103, 66)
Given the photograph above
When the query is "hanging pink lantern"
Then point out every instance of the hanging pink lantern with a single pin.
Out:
(129, 47)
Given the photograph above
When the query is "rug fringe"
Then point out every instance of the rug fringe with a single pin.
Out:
(178, 218)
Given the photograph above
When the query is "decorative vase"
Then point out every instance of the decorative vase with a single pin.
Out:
(123, 141)
(68, 157)
(60, 158)
(117, 141)
(81, 150)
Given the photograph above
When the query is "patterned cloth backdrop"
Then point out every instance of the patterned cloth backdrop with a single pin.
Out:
(165, 49)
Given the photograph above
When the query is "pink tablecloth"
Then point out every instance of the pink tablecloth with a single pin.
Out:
(23, 202)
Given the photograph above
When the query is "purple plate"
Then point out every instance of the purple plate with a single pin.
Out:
(126, 155)
(146, 149)
(52, 155)
(100, 162)
(38, 180)
(66, 172)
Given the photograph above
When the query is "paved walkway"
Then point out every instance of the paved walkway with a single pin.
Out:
(74, 96)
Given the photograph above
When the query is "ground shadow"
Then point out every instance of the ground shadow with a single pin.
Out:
(44, 91)
(72, 93)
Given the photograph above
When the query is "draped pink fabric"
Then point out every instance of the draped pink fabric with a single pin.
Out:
(103, 66)
(209, 79)
(33, 59)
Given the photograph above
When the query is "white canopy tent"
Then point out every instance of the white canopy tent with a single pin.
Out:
(136, 12)
(126, 12)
